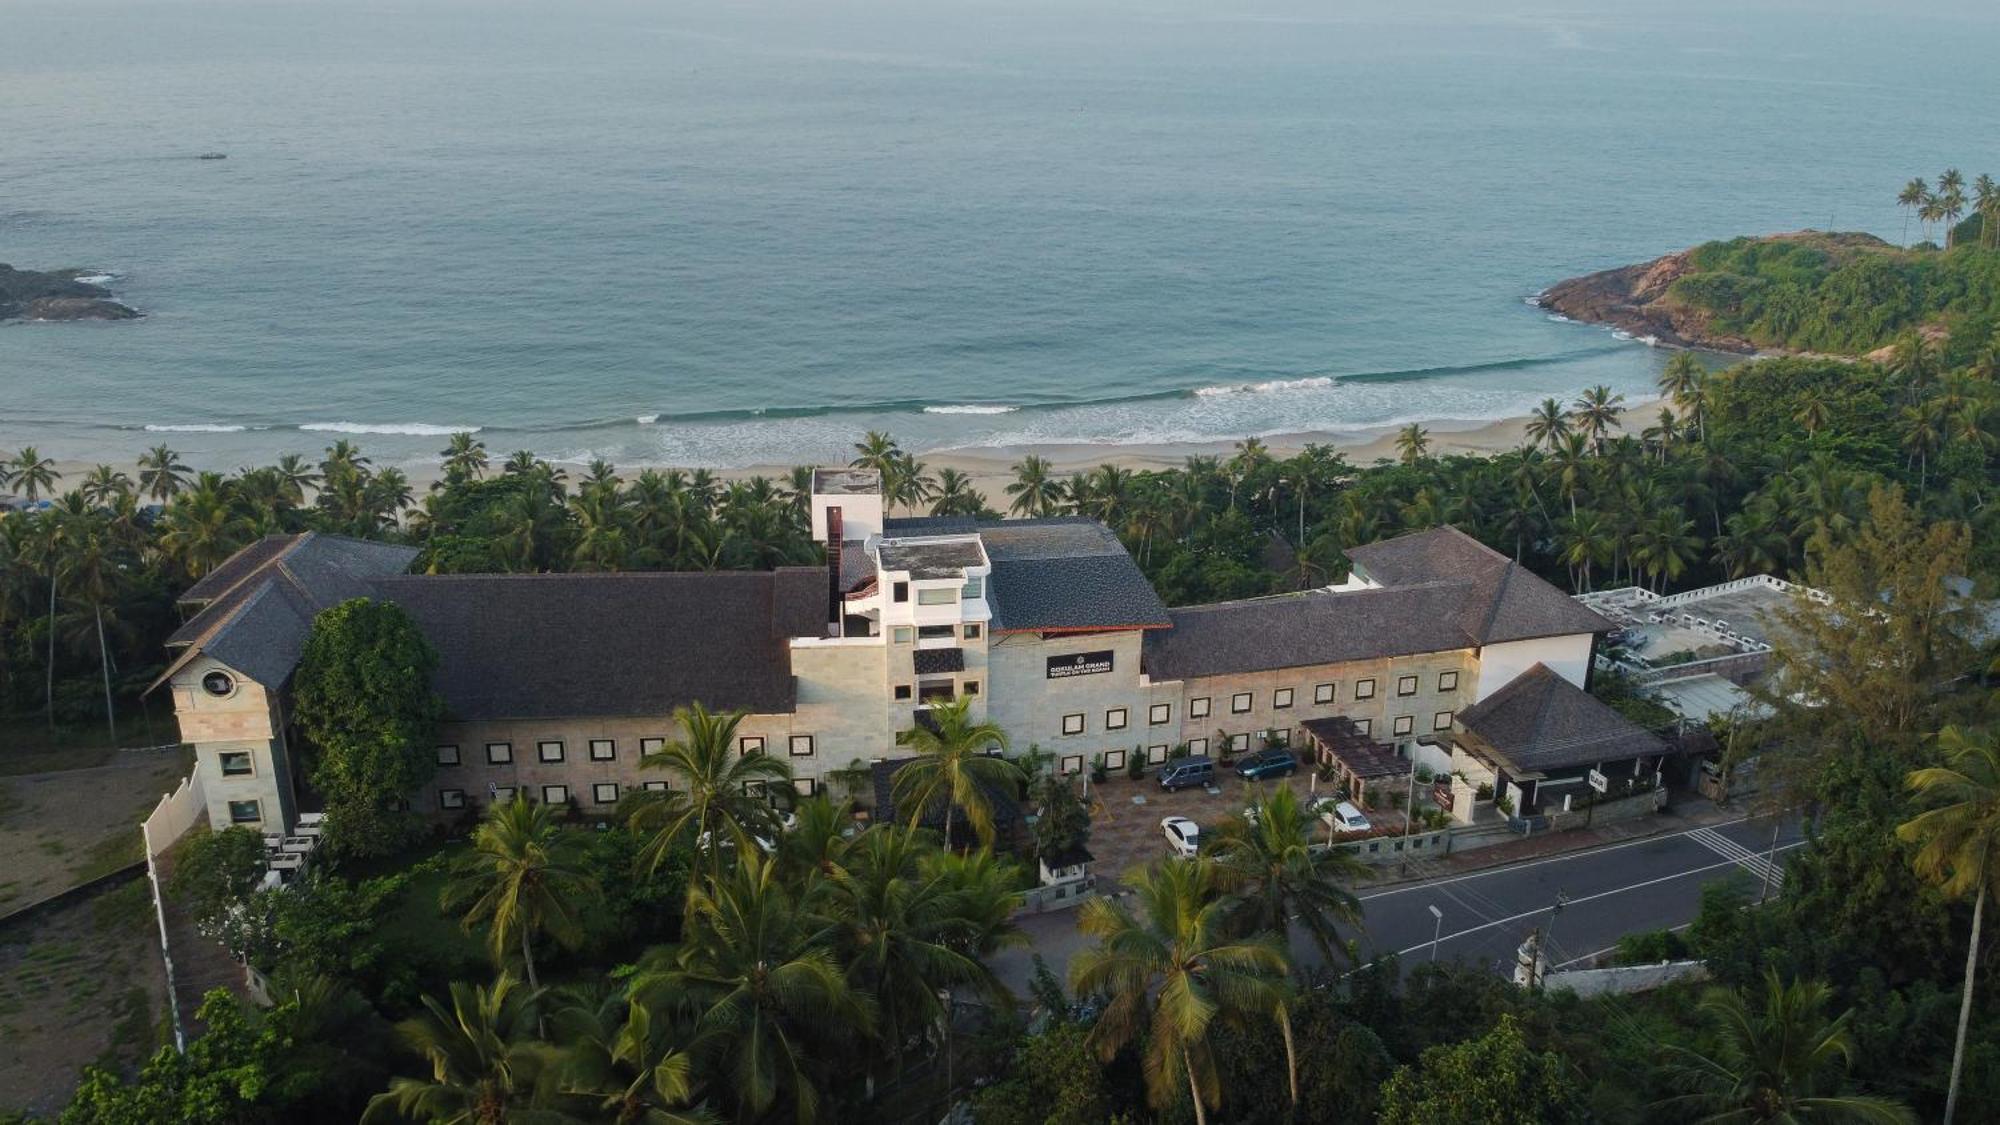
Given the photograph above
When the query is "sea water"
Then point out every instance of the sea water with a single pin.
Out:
(722, 233)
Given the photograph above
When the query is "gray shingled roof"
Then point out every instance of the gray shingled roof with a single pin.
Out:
(936, 661)
(1053, 574)
(571, 645)
(1503, 602)
(1301, 630)
(257, 607)
(1540, 722)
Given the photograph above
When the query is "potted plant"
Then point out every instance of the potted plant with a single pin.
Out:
(1098, 772)
(1484, 792)
(1505, 805)
(1135, 763)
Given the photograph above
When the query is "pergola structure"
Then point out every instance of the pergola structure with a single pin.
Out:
(1356, 758)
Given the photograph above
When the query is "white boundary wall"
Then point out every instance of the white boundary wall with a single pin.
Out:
(170, 820)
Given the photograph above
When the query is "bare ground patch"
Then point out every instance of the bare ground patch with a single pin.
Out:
(61, 829)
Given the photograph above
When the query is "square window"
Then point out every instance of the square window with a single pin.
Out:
(902, 634)
(1441, 721)
(801, 746)
(972, 687)
(502, 794)
(1404, 724)
(1072, 764)
(1365, 726)
(1322, 693)
(899, 592)
(1197, 746)
(1281, 736)
(1406, 685)
(605, 792)
(1364, 689)
(1115, 719)
(1282, 698)
(975, 587)
(654, 786)
(555, 794)
(1198, 707)
(1114, 759)
(934, 632)
(750, 744)
(447, 755)
(903, 691)
(1239, 703)
(451, 798)
(1156, 754)
(245, 812)
(549, 751)
(603, 750)
(1160, 713)
(805, 786)
(937, 597)
(972, 632)
(499, 753)
(1073, 724)
(236, 763)
(1447, 681)
(755, 788)
(1239, 742)
(651, 746)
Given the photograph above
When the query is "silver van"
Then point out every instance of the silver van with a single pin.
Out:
(1184, 773)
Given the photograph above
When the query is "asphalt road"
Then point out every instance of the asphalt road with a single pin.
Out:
(1639, 885)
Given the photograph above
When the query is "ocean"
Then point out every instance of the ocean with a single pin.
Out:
(734, 233)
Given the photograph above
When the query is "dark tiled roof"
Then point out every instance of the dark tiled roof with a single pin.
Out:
(1006, 810)
(923, 558)
(1503, 600)
(1363, 756)
(258, 606)
(1055, 573)
(934, 661)
(1300, 630)
(1540, 722)
(562, 645)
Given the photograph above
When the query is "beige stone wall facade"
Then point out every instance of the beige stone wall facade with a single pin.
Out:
(239, 743)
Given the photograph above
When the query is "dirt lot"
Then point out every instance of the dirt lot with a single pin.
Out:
(79, 984)
(61, 829)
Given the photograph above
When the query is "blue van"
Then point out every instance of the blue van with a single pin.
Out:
(1185, 773)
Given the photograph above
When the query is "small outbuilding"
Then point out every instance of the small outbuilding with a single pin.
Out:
(1544, 745)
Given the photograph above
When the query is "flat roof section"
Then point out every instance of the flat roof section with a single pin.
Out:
(846, 482)
(931, 558)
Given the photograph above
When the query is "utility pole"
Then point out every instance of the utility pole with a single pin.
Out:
(1549, 938)
(1409, 811)
(1437, 931)
(1770, 861)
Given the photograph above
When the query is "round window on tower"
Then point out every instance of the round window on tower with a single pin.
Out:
(218, 683)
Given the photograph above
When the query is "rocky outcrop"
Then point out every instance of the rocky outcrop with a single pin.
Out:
(29, 295)
(1637, 298)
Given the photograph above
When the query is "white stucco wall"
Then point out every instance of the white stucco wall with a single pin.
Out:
(1569, 656)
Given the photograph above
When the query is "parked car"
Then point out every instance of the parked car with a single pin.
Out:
(1275, 762)
(1183, 835)
(1346, 818)
(1185, 773)
(1314, 809)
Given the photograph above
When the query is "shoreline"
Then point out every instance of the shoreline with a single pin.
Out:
(989, 467)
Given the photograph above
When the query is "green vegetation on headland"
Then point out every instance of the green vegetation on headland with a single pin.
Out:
(1843, 294)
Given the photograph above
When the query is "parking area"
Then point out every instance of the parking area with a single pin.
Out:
(1125, 816)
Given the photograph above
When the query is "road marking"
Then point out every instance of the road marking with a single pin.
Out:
(1586, 854)
(1766, 872)
(1586, 898)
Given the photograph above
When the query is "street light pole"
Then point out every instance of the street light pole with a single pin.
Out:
(1409, 811)
(1437, 930)
(1549, 937)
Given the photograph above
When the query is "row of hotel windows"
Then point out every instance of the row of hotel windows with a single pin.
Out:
(602, 793)
(1159, 714)
(606, 749)
(1114, 719)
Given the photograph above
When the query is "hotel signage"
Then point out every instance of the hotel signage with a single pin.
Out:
(1079, 664)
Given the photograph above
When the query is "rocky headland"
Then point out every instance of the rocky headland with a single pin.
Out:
(1640, 299)
(56, 295)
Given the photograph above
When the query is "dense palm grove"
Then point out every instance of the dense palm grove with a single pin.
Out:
(699, 960)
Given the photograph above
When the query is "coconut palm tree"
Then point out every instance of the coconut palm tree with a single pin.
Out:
(1959, 847)
(1035, 490)
(464, 458)
(954, 767)
(1931, 210)
(161, 474)
(296, 476)
(93, 574)
(1548, 424)
(1413, 444)
(768, 998)
(483, 1062)
(1771, 1065)
(717, 800)
(104, 484)
(32, 474)
(1951, 202)
(1277, 872)
(1910, 199)
(524, 877)
(1595, 414)
(622, 1062)
(1986, 204)
(1172, 973)
(878, 451)
(955, 495)
(1813, 412)
(1684, 381)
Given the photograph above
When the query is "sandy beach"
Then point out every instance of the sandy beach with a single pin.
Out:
(990, 467)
